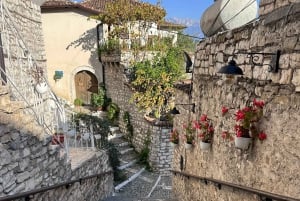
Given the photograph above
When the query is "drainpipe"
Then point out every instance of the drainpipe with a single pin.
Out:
(99, 57)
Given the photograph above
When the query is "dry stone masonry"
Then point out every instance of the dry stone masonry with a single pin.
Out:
(27, 160)
(160, 156)
(272, 165)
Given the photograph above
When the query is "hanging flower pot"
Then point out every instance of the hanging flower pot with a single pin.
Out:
(188, 146)
(242, 142)
(41, 87)
(85, 136)
(204, 145)
(174, 145)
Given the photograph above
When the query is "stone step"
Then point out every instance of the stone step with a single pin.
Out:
(130, 179)
(116, 135)
(126, 150)
(128, 157)
(114, 129)
(127, 164)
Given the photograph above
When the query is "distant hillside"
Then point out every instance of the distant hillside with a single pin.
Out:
(193, 26)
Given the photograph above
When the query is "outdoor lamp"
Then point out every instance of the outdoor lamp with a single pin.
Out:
(233, 69)
(176, 111)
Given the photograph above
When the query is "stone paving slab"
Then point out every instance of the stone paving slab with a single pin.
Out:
(79, 155)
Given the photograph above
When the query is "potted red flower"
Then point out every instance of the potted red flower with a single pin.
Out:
(189, 135)
(174, 137)
(245, 129)
(206, 131)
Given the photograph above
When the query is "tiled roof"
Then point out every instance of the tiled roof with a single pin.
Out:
(57, 3)
(98, 5)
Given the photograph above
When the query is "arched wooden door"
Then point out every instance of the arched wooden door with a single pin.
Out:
(86, 83)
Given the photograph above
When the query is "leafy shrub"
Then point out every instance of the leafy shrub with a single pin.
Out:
(113, 111)
(78, 102)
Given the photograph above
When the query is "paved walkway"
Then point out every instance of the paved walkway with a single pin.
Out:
(141, 185)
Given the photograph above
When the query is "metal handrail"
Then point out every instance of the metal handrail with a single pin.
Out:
(27, 194)
(219, 183)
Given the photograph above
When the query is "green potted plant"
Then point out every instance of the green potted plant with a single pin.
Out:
(78, 102)
(99, 99)
(113, 111)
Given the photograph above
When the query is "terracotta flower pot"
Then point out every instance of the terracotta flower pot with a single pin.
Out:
(242, 142)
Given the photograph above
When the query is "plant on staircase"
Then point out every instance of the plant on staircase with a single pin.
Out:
(129, 127)
(99, 100)
(143, 156)
(114, 161)
(113, 111)
(78, 102)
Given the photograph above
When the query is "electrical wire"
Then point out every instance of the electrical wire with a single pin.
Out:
(249, 4)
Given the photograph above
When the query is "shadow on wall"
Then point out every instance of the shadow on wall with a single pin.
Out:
(87, 41)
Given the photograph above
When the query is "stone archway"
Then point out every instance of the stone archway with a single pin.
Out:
(85, 82)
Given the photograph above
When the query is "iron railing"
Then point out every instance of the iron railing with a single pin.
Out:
(21, 69)
(27, 195)
(263, 194)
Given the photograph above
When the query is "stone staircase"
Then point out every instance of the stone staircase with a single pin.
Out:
(140, 184)
(11, 113)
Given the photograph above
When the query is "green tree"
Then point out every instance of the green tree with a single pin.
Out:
(186, 43)
(154, 81)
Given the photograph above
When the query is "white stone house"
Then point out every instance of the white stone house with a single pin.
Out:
(71, 45)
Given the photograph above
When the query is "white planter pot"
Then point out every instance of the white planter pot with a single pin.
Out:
(41, 87)
(71, 133)
(188, 146)
(85, 136)
(204, 145)
(242, 142)
(173, 144)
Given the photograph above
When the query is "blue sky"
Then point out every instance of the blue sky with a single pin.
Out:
(187, 9)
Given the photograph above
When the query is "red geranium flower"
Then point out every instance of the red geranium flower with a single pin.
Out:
(224, 110)
(240, 115)
(259, 104)
(203, 117)
(262, 136)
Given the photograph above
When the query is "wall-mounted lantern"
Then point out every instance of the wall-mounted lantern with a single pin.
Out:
(176, 111)
(233, 69)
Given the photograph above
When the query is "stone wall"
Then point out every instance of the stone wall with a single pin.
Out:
(28, 163)
(118, 89)
(271, 165)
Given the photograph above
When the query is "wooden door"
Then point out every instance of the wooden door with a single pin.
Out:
(85, 83)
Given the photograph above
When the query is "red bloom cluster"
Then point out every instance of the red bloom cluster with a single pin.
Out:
(262, 136)
(205, 127)
(224, 110)
(245, 119)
